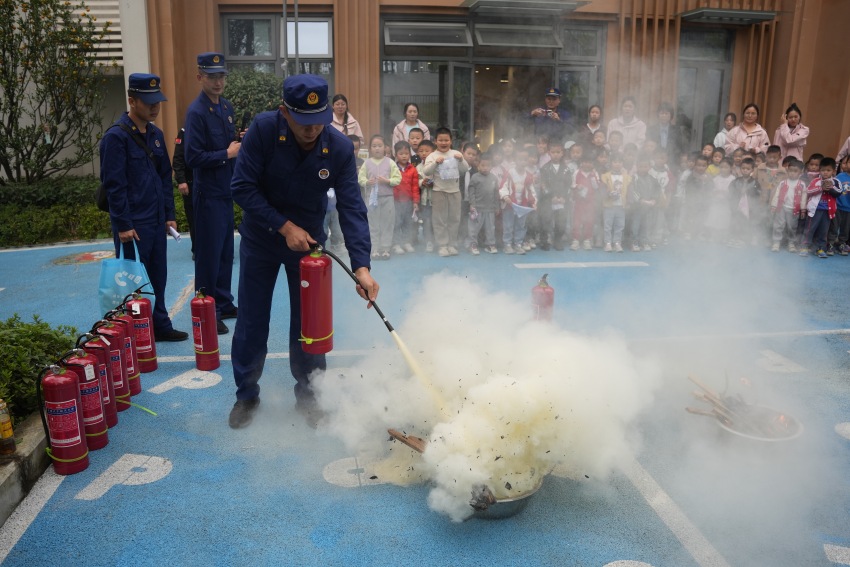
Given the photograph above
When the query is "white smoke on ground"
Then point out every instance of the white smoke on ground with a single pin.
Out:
(506, 399)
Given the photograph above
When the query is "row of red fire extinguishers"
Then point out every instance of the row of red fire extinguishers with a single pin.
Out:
(81, 394)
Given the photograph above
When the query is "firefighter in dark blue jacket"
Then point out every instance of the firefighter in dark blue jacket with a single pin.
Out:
(289, 160)
(138, 186)
(210, 149)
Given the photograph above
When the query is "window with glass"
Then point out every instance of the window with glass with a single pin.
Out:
(255, 42)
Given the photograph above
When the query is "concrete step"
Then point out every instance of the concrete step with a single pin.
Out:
(20, 471)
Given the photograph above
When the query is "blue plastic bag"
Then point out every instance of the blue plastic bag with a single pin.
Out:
(120, 277)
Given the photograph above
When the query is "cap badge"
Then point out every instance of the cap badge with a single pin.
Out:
(324, 174)
(216, 59)
(281, 138)
(153, 82)
(312, 98)
(230, 119)
(156, 143)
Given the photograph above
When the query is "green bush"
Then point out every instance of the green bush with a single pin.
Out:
(25, 348)
(51, 191)
(253, 91)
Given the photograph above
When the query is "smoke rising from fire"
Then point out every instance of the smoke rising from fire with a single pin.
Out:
(514, 398)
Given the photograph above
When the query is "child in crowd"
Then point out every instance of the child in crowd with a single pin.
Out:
(532, 221)
(718, 217)
(842, 215)
(575, 152)
(483, 193)
(717, 156)
(378, 175)
(414, 138)
(696, 187)
(598, 142)
(708, 151)
(645, 196)
(630, 152)
(555, 181)
(406, 195)
(737, 157)
(516, 191)
(788, 206)
(615, 142)
(822, 192)
(426, 183)
(669, 205)
(813, 167)
(585, 187)
(768, 177)
(542, 150)
(743, 194)
(446, 166)
(615, 192)
(470, 153)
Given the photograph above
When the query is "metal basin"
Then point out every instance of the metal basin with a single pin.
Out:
(785, 427)
(507, 507)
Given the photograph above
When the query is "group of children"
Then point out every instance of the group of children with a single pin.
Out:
(516, 197)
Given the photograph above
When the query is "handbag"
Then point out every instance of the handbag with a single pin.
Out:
(100, 195)
(120, 277)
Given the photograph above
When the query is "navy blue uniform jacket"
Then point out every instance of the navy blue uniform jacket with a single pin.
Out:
(139, 192)
(276, 181)
(209, 131)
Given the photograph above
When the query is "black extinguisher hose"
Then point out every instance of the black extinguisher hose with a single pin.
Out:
(350, 273)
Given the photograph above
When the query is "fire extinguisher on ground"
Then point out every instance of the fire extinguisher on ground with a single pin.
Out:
(205, 331)
(58, 395)
(85, 366)
(543, 299)
(113, 335)
(95, 346)
(316, 303)
(139, 308)
(131, 358)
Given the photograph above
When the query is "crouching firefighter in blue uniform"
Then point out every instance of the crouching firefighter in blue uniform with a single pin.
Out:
(288, 161)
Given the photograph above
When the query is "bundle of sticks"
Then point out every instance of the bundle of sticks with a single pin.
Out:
(737, 414)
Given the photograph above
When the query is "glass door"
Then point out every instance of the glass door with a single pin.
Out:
(457, 91)
(579, 87)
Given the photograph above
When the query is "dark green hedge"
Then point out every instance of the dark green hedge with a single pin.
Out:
(58, 210)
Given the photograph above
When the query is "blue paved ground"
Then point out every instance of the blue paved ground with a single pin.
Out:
(181, 488)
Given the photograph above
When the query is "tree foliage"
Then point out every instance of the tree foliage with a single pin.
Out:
(253, 91)
(51, 88)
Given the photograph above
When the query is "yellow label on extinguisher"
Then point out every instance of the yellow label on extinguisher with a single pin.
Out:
(6, 430)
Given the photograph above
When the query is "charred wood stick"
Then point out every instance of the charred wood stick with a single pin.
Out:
(703, 387)
(716, 404)
(698, 411)
(416, 443)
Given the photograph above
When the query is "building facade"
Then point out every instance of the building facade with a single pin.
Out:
(477, 66)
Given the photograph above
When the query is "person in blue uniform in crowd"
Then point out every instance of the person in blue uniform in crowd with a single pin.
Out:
(552, 120)
(138, 186)
(210, 148)
(288, 161)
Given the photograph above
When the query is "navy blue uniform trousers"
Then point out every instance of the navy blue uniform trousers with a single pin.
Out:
(153, 250)
(214, 253)
(259, 266)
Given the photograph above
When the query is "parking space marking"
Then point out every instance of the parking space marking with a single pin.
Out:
(332, 354)
(574, 265)
(837, 554)
(27, 510)
(185, 294)
(685, 531)
(843, 429)
(737, 336)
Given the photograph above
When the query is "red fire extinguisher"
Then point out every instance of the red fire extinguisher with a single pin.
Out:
(58, 395)
(139, 308)
(316, 303)
(205, 331)
(95, 346)
(84, 365)
(543, 299)
(114, 335)
(121, 317)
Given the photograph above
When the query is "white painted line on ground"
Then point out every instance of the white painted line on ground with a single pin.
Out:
(837, 554)
(27, 510)
(843, 429)
(824, 332)
(333, 353)
(2, 288)
(185, 295)
(568, 265)
(686, 532)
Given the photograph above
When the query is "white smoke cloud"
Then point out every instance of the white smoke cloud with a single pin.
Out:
(502, 399)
